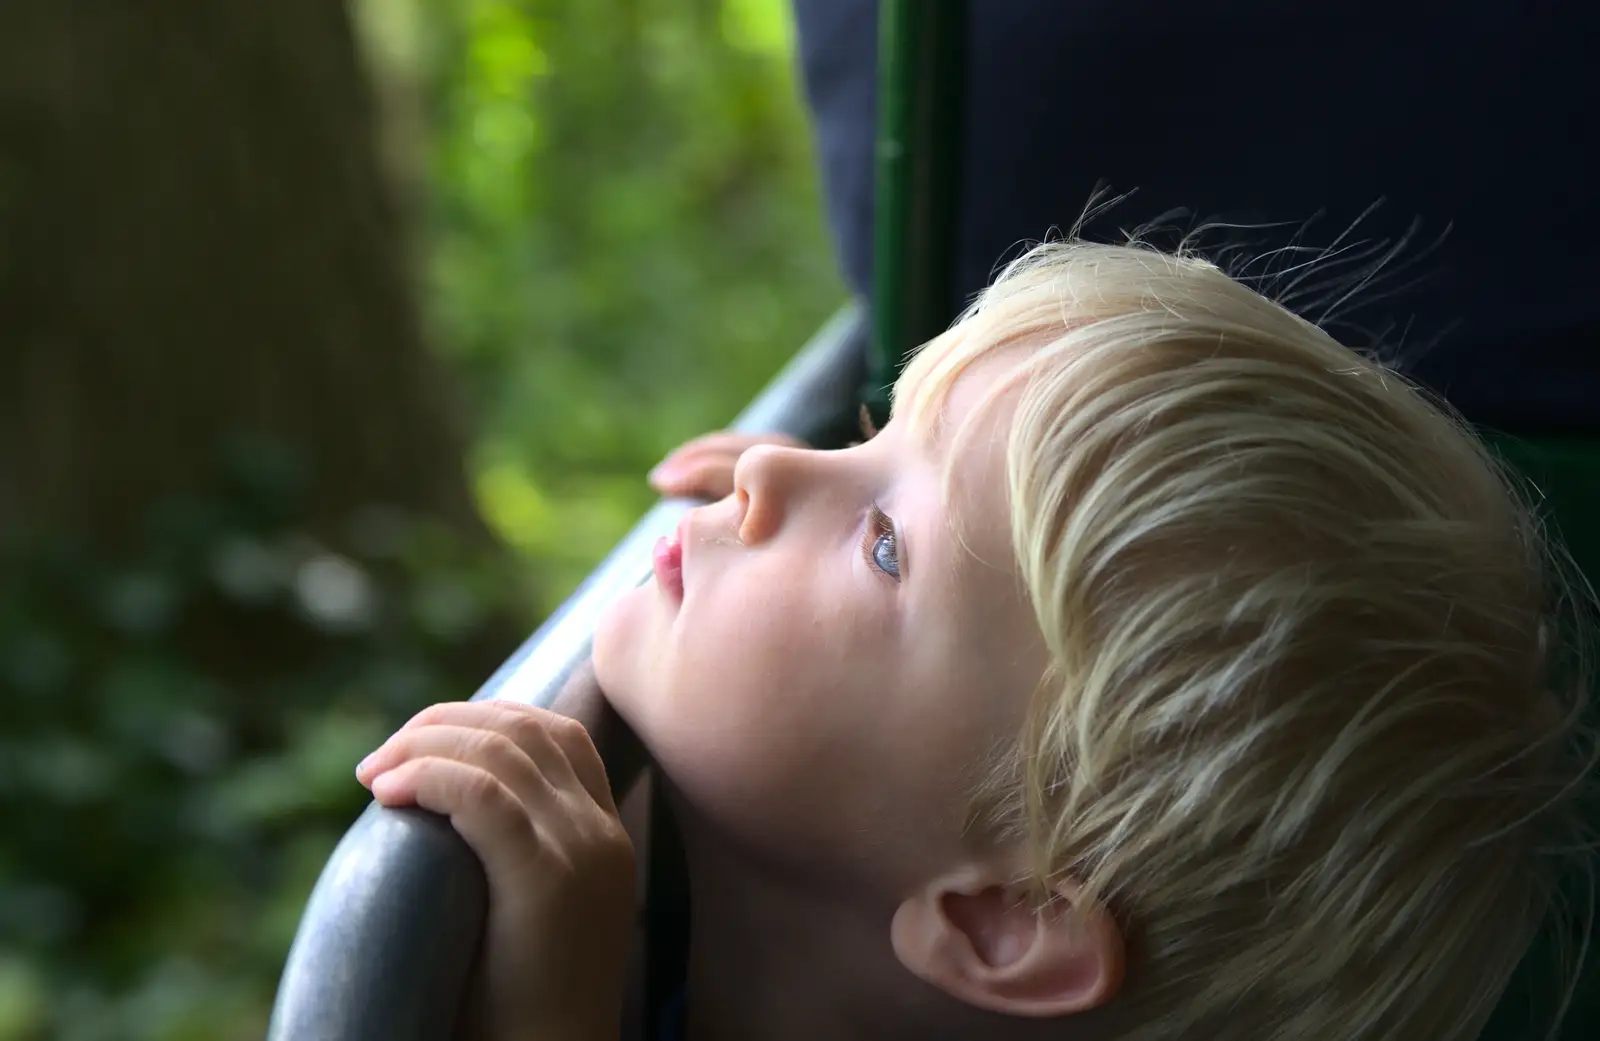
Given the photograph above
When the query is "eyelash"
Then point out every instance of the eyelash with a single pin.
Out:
(880, 527)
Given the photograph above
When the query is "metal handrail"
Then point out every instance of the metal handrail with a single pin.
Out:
(387, 941)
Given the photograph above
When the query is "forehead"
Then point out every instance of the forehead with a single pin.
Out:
(962, 434)
(972, 602)
(952, 376)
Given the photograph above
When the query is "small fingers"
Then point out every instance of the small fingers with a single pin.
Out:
(560, 745)
(483, 810)
(583, 757)
(687, 454)
(672, 470)
(704, 466)
(558, 748)
(712, 441)
(704, 477)
(534, 779)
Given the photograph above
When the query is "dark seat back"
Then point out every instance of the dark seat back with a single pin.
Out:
(1566, 476)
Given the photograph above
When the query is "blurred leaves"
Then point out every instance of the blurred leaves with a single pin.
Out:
(623, 214)
(176, 759)
(178, 753)
(619, 243)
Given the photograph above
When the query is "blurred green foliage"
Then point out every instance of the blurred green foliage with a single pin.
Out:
(619, 241)
(182, 724)
(625, 240)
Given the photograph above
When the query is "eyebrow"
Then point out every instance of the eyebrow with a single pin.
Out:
(929, 435)
(931, 517)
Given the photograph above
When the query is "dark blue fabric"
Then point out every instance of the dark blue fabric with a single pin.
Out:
(671, 1026)
(1472, 119)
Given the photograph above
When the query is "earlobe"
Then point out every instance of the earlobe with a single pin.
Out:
(985, 943)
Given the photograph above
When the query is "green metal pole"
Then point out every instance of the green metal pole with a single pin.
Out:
(921, 84)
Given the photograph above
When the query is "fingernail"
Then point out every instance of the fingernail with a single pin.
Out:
(361, 767)
(664, 474)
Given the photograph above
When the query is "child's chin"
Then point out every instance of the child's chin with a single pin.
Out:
(615, 642)
(623, 657)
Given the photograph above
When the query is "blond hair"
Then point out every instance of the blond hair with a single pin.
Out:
(1301, 731)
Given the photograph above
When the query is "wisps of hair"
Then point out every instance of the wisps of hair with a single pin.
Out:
(1333, 284)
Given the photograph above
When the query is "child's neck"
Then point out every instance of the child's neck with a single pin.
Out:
(776, 960)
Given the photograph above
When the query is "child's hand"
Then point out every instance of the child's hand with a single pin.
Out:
(527, 790)
(703, 468)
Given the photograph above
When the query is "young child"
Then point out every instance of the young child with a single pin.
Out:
(1163, 669)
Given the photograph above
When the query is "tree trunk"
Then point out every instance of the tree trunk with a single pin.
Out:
(198, 251)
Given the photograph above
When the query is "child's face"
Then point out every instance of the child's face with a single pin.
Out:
(813, 709)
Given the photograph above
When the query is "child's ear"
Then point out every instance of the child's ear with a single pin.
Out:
(989, 944)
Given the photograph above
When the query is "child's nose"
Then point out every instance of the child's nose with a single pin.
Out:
(763, 480)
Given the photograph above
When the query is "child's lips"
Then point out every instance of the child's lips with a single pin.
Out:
(667, 562)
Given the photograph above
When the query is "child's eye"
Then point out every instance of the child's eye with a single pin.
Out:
(881, 545)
